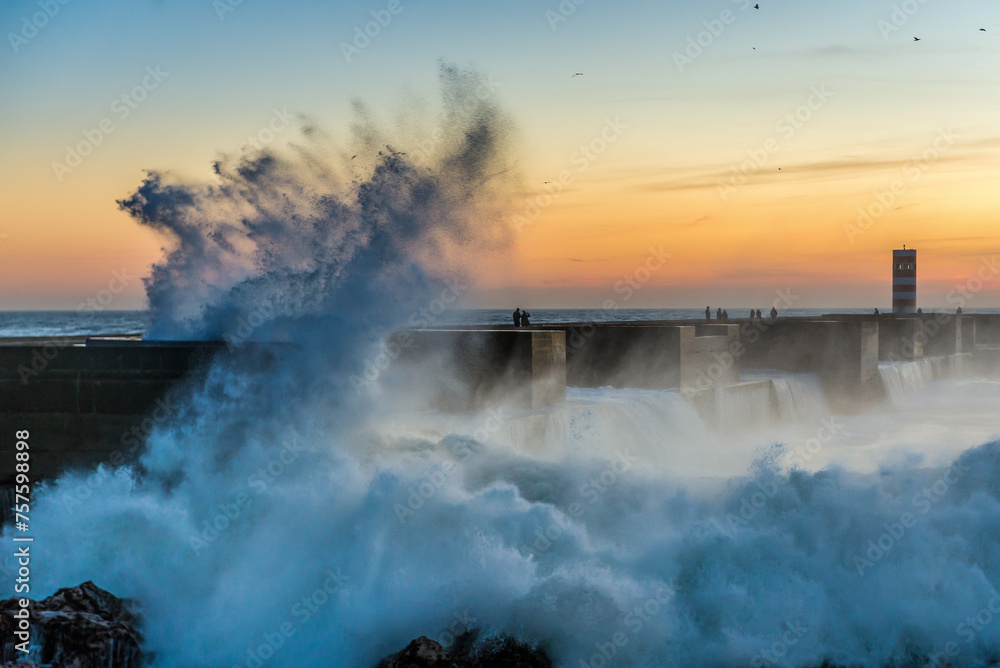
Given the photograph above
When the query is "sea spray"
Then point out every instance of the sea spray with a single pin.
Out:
(314, 567)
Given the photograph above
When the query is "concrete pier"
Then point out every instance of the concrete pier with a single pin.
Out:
(89, 401)
(844, 354)
(467, 369)
(92, 401)
(648, 355)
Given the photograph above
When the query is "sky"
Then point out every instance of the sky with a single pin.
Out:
(783, 149)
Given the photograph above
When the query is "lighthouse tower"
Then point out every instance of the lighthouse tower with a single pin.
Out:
(904, 281)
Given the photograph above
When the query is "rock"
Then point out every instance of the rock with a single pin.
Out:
(468, 651)
(421, 653)
(78, 627)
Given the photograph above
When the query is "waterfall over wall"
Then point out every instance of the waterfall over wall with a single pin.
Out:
(902, 378)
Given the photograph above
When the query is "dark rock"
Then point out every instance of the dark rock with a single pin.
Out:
(421, 653)
(468, 651)
(78, 627)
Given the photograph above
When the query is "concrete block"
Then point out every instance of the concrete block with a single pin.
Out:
(472, 369)
(843, 353)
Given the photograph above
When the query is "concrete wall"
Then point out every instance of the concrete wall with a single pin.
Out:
(465, 369)
(843, 353)
(650, 355)
(86, 404)
(898, 340)
(987, 329)
(943, 334)
(734, 408)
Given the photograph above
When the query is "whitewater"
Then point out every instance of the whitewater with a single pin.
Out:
(285, 516)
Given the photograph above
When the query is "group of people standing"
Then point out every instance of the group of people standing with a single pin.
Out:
(723, 315)
(521, 318)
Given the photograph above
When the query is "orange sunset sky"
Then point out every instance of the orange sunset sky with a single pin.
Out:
(745, 143)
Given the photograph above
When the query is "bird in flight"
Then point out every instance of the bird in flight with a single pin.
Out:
(578, 74)
(916, 39)
(982, 30)
(354, 156)
(756, 6)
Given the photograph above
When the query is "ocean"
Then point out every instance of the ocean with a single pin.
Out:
(93, 323)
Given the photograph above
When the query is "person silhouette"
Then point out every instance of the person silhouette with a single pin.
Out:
(718, 314)
(774, 313)
(524, 318)
(959, 310)
(725, 316)
(517, 317)
(876, 310)
(751, 314)
(920, 311)
(708, 314)
(758, 314)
